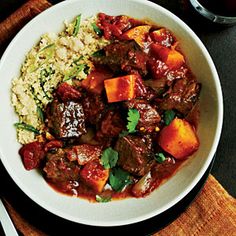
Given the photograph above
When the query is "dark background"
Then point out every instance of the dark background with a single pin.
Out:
(221, 44)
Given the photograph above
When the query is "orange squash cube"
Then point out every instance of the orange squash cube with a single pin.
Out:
(179, 139)
(171, 57)
(121, 88)
(138, 34)
(94, 175)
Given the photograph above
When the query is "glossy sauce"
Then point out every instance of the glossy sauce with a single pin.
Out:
(160, 174)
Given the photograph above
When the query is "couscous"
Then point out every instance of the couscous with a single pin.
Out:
(56, 58)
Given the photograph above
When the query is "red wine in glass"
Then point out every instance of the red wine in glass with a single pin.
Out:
(218, 11)
(220, 7)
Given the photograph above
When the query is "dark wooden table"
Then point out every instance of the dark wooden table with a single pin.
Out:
(221, 44)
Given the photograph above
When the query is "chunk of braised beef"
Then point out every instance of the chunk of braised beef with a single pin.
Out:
(94, 107)
(151, 94)
(83, 153)
(162, 75)
(157, 68)
(180, 73)
(135, 62)
(135, 154)
(140, 88)
(181, 96)
(32, 155)
(59, 169)
(114, 26)
(89, 137)
(112, 124)
(126, 57)
(95, 79)
(158, 86)
(149, 116)
(66, 92)
(53, 145)
(66, 119)
(158, 173)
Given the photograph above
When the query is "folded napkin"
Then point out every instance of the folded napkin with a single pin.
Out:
(213, 212)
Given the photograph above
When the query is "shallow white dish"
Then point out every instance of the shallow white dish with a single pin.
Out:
(129, 210)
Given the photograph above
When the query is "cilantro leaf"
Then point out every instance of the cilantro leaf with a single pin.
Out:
(169, 115)
(109, 158)
(133, 118)
(118, 179)
(160, 157)
(102, 199)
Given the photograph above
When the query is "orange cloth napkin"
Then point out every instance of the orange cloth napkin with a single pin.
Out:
(212, 213)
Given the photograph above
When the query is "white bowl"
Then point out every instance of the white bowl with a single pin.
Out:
(129, 210)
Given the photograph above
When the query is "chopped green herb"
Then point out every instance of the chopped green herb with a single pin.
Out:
(169, 115)
(75, 71)
(78, 59)
(160, 157)
(96, 29)
(109, 158)
(34, 95)
(40, 114)
(99, 53)
(26, 127)
(77, 25)
(46, 54)
(42, 82)
(45, 73)
(46, 47)
(118, 179)
(133, 118)
(102, 199)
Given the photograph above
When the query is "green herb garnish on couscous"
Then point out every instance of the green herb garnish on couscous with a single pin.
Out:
(56, 58)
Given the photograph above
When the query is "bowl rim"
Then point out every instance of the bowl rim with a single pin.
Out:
(195, 180)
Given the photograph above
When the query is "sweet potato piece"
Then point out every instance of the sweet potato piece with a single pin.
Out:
(94, 175)
(94, 81)
(172, 58)
(138, 34)
(179, 139)
(121, 88)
